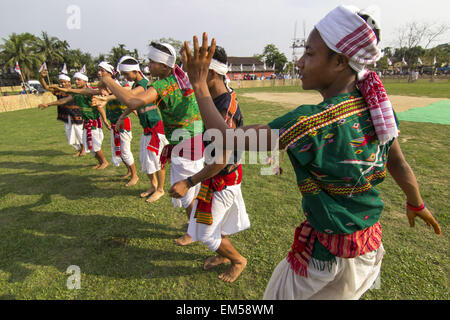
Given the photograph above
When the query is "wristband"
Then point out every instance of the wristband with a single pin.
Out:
(189, 179)
(417, 209)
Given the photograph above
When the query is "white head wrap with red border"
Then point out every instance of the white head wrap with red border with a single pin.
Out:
(345, 32)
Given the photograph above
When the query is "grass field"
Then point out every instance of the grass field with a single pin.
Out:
(421, 88)
(56, 212)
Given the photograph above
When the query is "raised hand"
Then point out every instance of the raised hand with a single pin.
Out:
(98, 101)
(426, 216)
(196, 64)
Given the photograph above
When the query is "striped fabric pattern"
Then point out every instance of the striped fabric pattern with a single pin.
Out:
(329, 116)
(341, 245)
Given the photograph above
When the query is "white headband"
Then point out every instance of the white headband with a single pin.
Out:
(162, 57)
(81, 76)
(344, 31)
(64, 77)
(218, 67)
(105, 65)
(128, 67)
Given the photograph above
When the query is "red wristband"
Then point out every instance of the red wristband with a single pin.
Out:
(417, 209)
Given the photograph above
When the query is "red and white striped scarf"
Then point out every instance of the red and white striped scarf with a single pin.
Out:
(344, 31)
(380, 107)
(88, 124)
(126, 126)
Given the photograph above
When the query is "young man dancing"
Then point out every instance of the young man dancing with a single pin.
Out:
(176, 101)
(340, 150)
(69, 113)
(219, 210)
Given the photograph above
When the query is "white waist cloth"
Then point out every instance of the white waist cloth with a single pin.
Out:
(347, 280)
(74, 133)
(229, 217)
(97, 139)
(181, 169)
(149, 160)
(125, 149)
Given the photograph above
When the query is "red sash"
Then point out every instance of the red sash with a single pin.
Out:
(340, 245)
(153, 145)
(126, 126)
(205, 196)
(88, 124)
(193, 154)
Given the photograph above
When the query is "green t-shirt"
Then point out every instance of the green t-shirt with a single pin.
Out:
(337, 161)
(179, 109)
(84, 103)
(114, 109)
(148, 115)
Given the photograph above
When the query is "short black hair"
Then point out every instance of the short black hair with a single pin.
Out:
(220, 55)
(160, 47)
(129, 62)
(376, 31)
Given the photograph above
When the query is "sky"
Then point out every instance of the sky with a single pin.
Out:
(242, 27)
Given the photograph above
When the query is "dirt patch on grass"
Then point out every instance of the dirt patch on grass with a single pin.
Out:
(293, 99)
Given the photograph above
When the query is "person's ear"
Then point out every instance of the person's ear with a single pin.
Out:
(342, 62)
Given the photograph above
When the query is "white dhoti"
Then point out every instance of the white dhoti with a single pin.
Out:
(125, 149)
(229, 217)
(347, 280)
(150, 162)
(182, 168)
(74, 133)
(97, 139)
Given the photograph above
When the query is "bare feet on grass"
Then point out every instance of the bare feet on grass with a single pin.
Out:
(103, 165)
(215, 261)
(234, 271)
(132, 182)
(125, 176)
(155, 196)
(147, 193)
(76, 154)
(96, 166)
(184, 240)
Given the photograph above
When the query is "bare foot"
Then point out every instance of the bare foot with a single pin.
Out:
(132, 182)
(148, 192)
(96, 166)
(76, 154)
(82, 154)
(212, 262)
(103, 165)
(184, 240)
(126, 176)
(155, 196)
(234, 271)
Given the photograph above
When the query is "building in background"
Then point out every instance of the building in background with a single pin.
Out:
(248, 68)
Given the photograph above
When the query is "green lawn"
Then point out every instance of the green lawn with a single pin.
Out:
(56, 212)
(420, 88)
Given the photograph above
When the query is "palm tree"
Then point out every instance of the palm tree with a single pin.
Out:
(53, 50)
(116, 53)
(21, 48)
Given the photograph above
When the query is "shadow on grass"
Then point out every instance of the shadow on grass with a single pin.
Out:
(99, 245)
(35, 153)
(51, 178)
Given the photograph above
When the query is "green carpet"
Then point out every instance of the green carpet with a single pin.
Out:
(438, 112)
